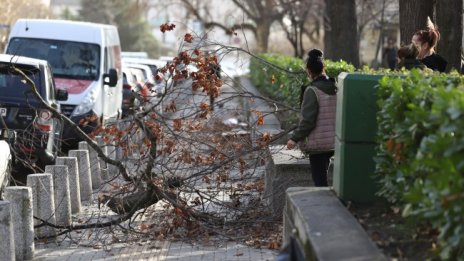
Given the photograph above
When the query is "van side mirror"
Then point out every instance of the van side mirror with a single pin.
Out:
(61, 95)
(111, 78)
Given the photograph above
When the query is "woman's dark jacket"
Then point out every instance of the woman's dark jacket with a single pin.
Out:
(435, 62)
(409, 63)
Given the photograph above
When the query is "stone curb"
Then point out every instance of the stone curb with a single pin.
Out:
(324, 229)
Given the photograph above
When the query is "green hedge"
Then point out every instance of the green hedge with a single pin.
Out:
(278, 77)
(420, 158)
(281, 76)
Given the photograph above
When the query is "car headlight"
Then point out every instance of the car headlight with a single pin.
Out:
(87, 104)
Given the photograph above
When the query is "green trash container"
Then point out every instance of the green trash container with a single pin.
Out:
(355, 144)
(357, 107)
(353, 165)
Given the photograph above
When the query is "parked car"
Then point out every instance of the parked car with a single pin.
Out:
(143, 72)
(32, 131)
(86, 61)
(127, 95)
(160, 82)
(151, 89)
(136, 91)
(233, 68)
(154, 64)
(134, 55)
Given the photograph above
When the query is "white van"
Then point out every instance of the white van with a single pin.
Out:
(86, 62)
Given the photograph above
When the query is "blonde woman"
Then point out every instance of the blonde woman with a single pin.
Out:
(427, 41)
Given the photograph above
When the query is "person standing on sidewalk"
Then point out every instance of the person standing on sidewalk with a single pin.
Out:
(315, 133)
(389, 54)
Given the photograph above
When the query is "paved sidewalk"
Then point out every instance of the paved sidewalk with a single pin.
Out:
(156, 251)
(96, 247)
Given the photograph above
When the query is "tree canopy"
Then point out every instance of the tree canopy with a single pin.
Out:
(129, 16)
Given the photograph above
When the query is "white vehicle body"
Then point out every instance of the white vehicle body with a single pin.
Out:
(134, 54)
(146, 61)
(85, 60)
(5, 161)
(143, 73)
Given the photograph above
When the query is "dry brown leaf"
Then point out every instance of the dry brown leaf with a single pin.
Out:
(274, 245)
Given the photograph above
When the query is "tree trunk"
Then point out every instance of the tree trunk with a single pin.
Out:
(130, 203)
(301, 49)
(381, 34)
(413, 17)
(449, 22)
(262, 36)
(341, 33)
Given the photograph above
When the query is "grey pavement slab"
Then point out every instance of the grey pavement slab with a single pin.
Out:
(158, 250)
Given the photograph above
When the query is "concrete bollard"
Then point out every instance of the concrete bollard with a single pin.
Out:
(74, 185)
(42, 202)
(7, 247)
(5, 161)
(23, 222)
(103, 165)
(85, 179)
(119, 153)
(62, 196)
(112, 154)
(94, 164)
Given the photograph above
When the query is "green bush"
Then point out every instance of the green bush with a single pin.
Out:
(333, 69)
(281, 77)
(420, 157)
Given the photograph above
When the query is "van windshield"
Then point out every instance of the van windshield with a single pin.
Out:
(12, 84)
(73, 60)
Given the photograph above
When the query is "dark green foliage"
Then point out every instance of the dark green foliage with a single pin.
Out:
(420, 158)
(280, 77)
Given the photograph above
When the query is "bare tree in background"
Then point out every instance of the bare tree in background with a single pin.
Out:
(135, 32)
(373, 14)
(302, 18)
(11, 10)
(97, 12)
(260, 16)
